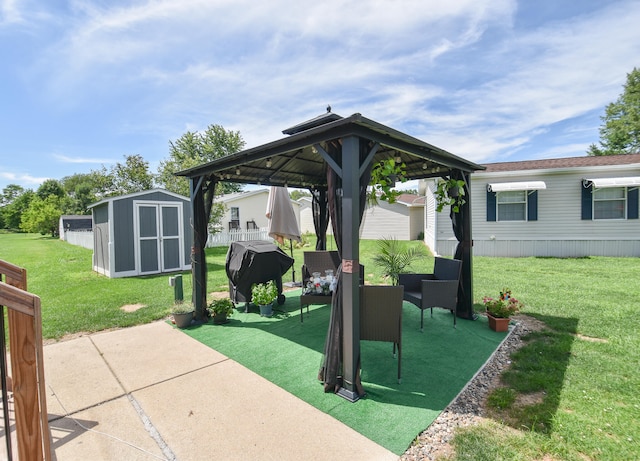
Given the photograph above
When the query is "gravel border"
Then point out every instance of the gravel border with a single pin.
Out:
(468, 407)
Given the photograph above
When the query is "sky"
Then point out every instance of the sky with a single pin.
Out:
(86, 83)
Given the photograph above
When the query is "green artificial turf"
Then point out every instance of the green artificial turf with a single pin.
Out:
(436, 365)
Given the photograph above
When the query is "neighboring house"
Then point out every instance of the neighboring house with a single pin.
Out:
(402, 220)
(74, 223)
(565, 207)
(248, 210)
(142, 233)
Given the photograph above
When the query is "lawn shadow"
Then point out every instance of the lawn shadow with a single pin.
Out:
(537, 374)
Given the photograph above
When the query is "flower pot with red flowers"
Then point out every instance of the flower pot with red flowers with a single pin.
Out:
(500, 310)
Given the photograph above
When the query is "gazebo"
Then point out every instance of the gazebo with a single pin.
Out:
(333, 157)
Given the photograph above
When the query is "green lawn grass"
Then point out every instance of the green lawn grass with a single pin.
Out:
(582, 371)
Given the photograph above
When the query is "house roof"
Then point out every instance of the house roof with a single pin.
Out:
(568, 162)
(411, 199)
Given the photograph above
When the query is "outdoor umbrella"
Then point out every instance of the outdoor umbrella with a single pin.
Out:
(282, 219)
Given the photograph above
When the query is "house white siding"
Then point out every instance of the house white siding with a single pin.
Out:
(559, 230)
(386, 220)
(430, 220)
(252, 206)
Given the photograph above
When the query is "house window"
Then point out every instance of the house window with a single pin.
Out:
(609, 203)
(234, 223)
(512, 205)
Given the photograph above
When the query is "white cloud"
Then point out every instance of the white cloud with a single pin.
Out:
(23, 179)
(68, 159)
(9, 12)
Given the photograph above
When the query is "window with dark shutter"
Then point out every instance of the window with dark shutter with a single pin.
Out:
(587, 207)
(532, 206)
(491, 206)
(632, 203)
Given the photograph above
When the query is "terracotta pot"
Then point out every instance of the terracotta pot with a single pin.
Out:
(498, 324)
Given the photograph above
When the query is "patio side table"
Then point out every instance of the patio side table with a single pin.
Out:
(313, 298)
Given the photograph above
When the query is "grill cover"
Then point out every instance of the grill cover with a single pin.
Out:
(255, 261)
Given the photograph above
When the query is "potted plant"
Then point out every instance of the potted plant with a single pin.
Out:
(263, 295)
(384, 175)
(182, 314)
(220, 310)
(393, 258)
(450, 191)
(500, 310)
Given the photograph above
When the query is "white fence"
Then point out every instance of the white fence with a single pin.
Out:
(226, 238)
(82, 239)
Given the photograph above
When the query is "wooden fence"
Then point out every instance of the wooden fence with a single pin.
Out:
(27, 366)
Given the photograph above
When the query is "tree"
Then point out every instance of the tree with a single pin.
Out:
(10, 193)
(51, 187)
(193, 149)
(620, 133)
(83, 190)
(42, 215)
(296, 194)
(15, 201)
(132, 176)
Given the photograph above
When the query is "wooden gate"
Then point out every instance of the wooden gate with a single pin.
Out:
(27, 366)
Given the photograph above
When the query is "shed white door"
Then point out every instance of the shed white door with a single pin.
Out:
(159, 238)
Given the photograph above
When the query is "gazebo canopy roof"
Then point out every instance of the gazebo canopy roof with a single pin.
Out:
(294, 161)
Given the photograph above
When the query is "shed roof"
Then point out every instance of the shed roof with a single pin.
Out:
(137, 194)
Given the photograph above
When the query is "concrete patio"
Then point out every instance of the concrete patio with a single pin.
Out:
(151, 392)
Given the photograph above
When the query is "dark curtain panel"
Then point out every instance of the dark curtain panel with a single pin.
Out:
(320, 211)
(331, 371)
(458, 221)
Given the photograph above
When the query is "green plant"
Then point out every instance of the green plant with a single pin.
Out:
(222, 306)
(182, 308)
(450, 191)
(264, 293)
(384, 175)
(393, 257)
(503, 307)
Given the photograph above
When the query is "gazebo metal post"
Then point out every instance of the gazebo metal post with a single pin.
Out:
(350, 265)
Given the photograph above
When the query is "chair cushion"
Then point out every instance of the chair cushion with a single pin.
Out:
(414, 297)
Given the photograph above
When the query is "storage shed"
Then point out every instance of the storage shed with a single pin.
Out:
(141, 234)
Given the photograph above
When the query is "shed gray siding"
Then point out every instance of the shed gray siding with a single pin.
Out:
(124, 245)
(101, 238)
(115, 247)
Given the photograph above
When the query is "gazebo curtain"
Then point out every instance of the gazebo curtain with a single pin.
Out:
(320, 213)
(460, 221)
(202, 194)
(331, 371)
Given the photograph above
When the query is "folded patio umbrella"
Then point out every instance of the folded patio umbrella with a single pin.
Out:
(282, 219)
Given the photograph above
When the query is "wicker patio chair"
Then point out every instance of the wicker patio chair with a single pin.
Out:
(319, 261)
(439, 289)
(381, 317)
